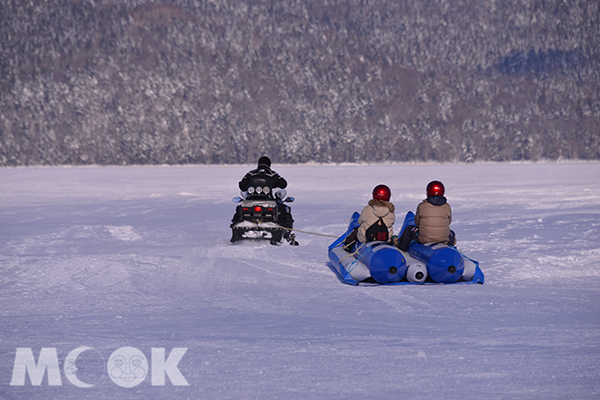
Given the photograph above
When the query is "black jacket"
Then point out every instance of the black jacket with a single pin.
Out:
(263, 172)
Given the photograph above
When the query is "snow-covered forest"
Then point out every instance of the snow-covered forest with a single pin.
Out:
(200, 81)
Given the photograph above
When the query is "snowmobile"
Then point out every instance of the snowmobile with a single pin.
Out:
(263, 214)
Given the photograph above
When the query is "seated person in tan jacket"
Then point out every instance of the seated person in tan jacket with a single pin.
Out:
(432, 220)
(376, 219)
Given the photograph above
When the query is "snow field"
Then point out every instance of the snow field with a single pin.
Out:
(140, 256)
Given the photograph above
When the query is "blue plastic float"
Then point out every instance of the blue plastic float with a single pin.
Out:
(382, 263)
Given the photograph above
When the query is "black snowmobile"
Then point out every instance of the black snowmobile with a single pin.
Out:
(263, 214)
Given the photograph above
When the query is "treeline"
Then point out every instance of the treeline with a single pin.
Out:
(225, 81)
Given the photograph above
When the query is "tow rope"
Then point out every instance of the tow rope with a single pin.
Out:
(271, 225)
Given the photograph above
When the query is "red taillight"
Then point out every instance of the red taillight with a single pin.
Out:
(257, 209)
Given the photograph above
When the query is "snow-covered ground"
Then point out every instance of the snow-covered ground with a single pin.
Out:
(123, 260)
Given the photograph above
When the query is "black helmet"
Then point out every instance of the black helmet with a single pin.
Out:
(264, 160)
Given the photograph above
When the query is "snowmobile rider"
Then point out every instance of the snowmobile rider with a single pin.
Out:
(432, 220)
(263, 171)
(376, 219)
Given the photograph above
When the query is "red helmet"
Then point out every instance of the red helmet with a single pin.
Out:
(382, 192)
(435, 188)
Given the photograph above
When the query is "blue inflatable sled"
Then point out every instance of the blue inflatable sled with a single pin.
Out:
(382, 263)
